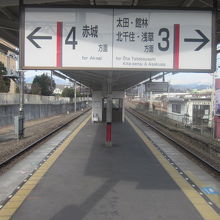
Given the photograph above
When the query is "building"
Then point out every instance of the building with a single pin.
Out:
(8, 57)
(59, 89)
(194, 111)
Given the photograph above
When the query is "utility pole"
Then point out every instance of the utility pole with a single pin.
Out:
(18, 78)
(19, 120)
(20, 131)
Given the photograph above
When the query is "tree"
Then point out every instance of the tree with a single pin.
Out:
(68, 92)
(26, 89)
(4, 81)
(43, 85)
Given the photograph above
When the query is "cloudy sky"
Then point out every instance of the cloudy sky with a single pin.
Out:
(189, 78)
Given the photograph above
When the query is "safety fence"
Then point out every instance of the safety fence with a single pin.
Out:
(200, 126)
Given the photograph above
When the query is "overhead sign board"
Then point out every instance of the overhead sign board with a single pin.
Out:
(156, 86)
(100, 38)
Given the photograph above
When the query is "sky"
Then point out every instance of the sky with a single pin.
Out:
(190, 78)
(32, 73)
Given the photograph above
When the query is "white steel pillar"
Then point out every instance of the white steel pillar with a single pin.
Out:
(74, 96)
(150, 102)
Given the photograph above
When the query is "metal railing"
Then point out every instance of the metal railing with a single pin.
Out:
(180, 121)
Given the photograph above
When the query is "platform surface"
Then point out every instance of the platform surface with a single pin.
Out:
(93, 182)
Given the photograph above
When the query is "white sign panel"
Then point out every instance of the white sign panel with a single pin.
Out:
(68, 37)
(83, 38)
(156, 86)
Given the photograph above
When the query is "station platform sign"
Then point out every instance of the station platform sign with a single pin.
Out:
(117, 39)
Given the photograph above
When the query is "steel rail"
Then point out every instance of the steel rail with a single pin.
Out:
(141, 117)
(30, 146)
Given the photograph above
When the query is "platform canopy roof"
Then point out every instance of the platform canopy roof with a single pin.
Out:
(9, 30)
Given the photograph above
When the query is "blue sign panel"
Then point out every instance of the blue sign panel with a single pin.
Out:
(209, 190)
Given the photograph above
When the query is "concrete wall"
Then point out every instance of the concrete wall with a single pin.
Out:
(36, 111)
(6, 98)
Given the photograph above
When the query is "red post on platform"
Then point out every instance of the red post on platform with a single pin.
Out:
(108, 132)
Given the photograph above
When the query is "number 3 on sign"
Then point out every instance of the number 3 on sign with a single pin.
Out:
(71, 38)
(164, 32)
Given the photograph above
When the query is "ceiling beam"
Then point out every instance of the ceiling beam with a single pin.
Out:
(7, 48)
(9, 36)
(92, 2)
(84, 76)
(135, 2)
(5, 3)
(129, 83)
(8, 14)
(187, 3)
(92, 74)
(205, 3)
(7, 24)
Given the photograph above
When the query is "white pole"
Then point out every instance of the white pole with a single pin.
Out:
(75, 97)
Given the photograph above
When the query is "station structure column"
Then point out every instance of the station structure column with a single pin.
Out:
(109, 121)
(109, 114)
(75, 97)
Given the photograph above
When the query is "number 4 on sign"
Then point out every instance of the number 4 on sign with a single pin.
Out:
(71, 38)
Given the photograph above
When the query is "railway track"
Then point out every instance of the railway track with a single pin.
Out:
(38, 141)
(145, 120)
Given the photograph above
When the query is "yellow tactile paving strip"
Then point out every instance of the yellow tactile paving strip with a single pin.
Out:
(205, 210)
(14, 203)
(213, 197)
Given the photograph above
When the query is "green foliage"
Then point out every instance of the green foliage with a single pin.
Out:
(4, 82)
(42, 85)
(68, 92)
(78, 94)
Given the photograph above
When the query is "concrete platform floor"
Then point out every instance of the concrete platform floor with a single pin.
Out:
(90, 181)
(11, 178)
